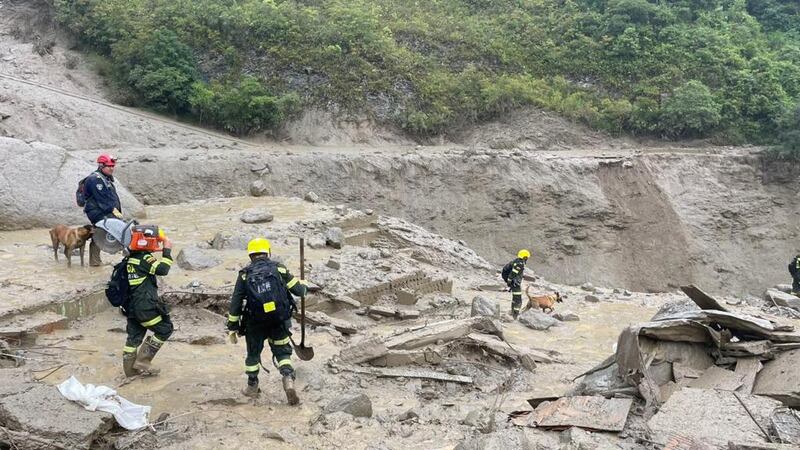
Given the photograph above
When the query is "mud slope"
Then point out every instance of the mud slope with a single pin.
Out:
(648, 222)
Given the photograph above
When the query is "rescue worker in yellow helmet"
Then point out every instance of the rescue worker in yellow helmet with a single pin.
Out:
(261, 309)
(512, 275)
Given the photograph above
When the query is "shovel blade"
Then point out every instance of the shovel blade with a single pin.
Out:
(304, 353)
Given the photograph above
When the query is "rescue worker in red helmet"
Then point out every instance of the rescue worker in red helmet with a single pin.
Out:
(101, 199)
(145, 310)
(261, 309)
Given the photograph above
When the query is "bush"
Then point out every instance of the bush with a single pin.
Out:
(691, 111)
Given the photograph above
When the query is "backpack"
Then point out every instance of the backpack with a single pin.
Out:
(793, 268)
(268, 300)
(80, 193)
(117, 288)
(507, 271)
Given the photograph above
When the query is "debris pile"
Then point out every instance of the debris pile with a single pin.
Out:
(702, 375)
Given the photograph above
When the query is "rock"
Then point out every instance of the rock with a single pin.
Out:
(626, 293)
(357, 405)
(340, 209)
(500, 440)
(482, 306)
(588, 287)
(566, 316)
(311, 197)
(591, 298)
(259, 189)
(481, 419)
(537, 320)
(369, 212)
(316, 241)
(256, 215)
(782, 299)
(575, 438)
(193, 258)
(218, 243)
(778, 379)
(333, 264)
(675, 307)
(407, 416)
(51, 187)
(65, 423)
(325, 423)
(334, 237)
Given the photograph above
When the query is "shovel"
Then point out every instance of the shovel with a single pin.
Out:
(303, 352)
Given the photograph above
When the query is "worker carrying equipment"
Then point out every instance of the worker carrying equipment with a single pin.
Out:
(144, 309)
(262, 305)
(512, 275)
(794, 270)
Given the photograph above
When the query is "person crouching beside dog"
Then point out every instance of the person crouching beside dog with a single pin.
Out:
(512, 275)
(72, 238)
(101, 199)
(145, 310)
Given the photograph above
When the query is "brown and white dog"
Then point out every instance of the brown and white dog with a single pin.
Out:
(72, 238)
(542, 301)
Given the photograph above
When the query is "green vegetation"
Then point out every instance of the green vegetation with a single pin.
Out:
(726, 69)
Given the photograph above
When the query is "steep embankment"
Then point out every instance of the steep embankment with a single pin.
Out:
(651, 222)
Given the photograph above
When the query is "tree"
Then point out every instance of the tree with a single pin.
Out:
(691, 111)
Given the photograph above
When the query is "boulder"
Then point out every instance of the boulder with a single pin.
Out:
(357, 405)
(334, 264)
(592, 298)
(482, 306)
(256, 215)
(537, 320)
(316, 241)
(50, 187)
(782, 299)
(588, 287)
(193, 258)
(334, 237)
(311, 197)
(259, 189)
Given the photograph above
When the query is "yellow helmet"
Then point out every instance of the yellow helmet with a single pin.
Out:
(524, 254)
(258, 245)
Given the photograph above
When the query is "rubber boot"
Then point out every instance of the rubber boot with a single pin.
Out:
(288, 387)
(128, 359)
(147, 351)
(94, 254)
(251, 390)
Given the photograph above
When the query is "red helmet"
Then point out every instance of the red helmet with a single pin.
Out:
(106, 160)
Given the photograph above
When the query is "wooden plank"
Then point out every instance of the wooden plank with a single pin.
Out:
(718, 378)
(703, 300)
(406, 373)
(593, 413)
(748, 368)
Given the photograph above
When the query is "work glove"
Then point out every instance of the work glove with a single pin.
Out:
(116, 213)
(232, 337)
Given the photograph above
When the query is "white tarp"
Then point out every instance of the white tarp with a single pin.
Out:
(102, 398)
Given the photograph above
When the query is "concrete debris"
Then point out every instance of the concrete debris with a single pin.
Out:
(703, 300)
(780, 298)
(588, 287)
(566, 316)
(445, 331)
(481, 419)
(345, 300)
(748, 369)
(674, 307)
(320, 319)
(711, 416)
(23, 329)
(482, 306)
(397, 358)
(334, 237)
(260, 189)
(717, 378)
(606, 382)
(193, 258)
(41, 412)
(500, 440)
(742, 446)
(363, 351)
(537, 320)
(316, 241)
(786, 424)
(311, 197)
(357, 405)
(256, 215)
(778, 379)
(593, 413)
(333, 263)
(787, 288)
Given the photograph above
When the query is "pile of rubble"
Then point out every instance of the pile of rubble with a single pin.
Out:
(701, 376)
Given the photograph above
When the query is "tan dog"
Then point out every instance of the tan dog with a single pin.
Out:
(72, 238)
(542, 301)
